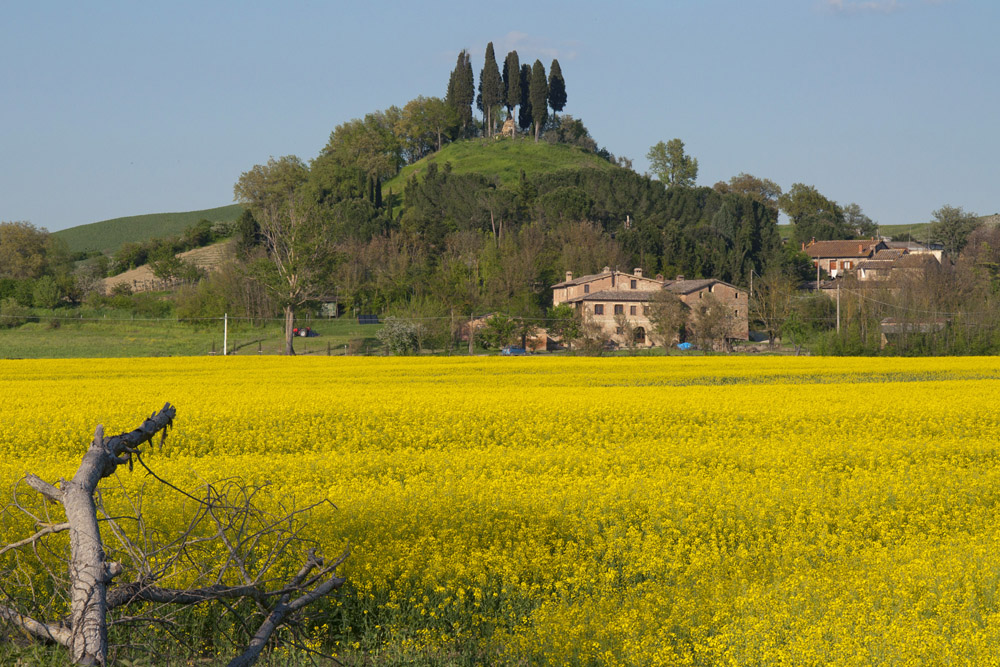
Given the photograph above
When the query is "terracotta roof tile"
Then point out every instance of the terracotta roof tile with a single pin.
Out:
(821, 249)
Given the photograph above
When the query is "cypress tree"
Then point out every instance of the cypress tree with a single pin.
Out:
(491, 89)
(557, 88)
(467, 85)
(461, 90)
(539, 95)
(511, 81)
(524, 110)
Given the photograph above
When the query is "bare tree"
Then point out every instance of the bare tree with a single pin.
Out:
(231, 551)
(668, 315)
(626, 329)
(713, 321)
(771, 303)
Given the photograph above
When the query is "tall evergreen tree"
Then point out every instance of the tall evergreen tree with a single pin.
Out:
(490, 89)
(539, 95)
(524, 107)
(462, 90)
(511, 81)
(557, 88)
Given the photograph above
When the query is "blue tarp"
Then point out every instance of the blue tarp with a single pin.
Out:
(684, 346)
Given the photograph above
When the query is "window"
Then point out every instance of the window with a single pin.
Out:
(619, 309)
(631, 310)
(619, 331)
(586, 289)
(598, 309)
(632, 284)
(645, 310)
(848, 265)
(736, 312)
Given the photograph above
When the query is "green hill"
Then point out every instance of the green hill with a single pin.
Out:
(501, 157)
(109, 235)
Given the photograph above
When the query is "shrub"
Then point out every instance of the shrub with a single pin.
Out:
(13, 314)
(400, 336)
(46, 293)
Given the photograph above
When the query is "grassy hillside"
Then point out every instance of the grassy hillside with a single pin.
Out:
(501, 157)
(916, 231)
(109, 235)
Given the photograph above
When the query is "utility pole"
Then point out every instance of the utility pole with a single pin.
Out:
(471, 334)
(838, 307)
(225, 334)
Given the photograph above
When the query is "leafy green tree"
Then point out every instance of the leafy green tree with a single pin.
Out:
(370, 144)
(512, 81)
(299, 254)
(671, 165)
(813, 215)
(23, 250)
(198, 235)
(952, 226)
(491, 94)
(165, 265)
(762, 190)
(858, 222)
(46, 293)
(423, 124)
(557, 88)
(564, 324)
(462, 91)
(524, 108)
(539, 97)
(499, 331)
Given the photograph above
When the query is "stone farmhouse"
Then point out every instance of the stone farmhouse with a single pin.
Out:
(605, 297)
(840, 257)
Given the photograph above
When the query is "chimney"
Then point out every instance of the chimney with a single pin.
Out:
(803, 245)
(861, 248)
(812, 241)
(637, 273)
(680, 276)
(569, 276)
(606, 269)
(659, 276)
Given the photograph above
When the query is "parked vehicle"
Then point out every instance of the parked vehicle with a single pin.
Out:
(513, 351)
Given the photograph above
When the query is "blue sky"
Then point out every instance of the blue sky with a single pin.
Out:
(123, 108)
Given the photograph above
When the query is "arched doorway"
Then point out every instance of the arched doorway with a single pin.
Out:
(640, 335)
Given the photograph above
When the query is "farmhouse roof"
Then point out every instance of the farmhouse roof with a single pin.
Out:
(861, 248)
(584, 279)
(883, 259)
(687, 286)
(914, 261)
(615, 295)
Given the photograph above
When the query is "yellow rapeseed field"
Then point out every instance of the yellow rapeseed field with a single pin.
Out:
(622, 511)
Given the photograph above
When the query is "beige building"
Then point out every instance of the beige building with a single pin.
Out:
(606, 297)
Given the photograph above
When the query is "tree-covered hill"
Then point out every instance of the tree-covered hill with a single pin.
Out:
(109, 235)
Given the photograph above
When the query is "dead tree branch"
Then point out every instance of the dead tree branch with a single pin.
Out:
(229, 536)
